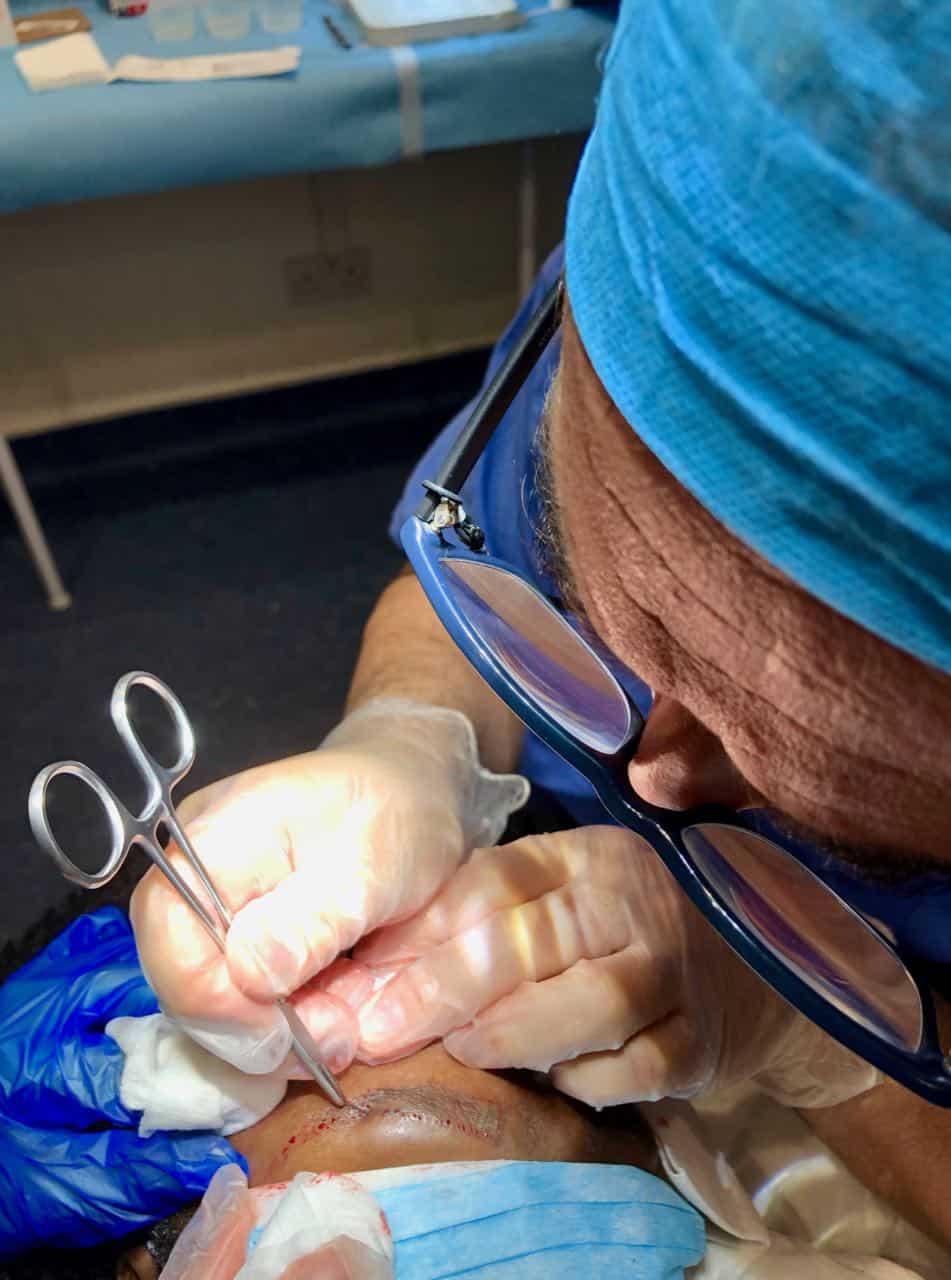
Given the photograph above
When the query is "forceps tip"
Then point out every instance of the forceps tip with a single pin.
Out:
(333, 1090)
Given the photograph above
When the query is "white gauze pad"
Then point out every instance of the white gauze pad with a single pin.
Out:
(314, 1210)
(178, 1085)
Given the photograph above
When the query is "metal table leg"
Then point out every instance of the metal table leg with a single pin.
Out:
(31, 529)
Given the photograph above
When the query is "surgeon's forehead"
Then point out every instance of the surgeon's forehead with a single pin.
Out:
(832, 725)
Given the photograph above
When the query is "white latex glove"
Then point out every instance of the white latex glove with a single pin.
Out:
(310, 854)
(578, 954)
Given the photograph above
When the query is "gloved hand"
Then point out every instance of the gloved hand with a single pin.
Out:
(311, 853)
(578, 953)
(73, 1171)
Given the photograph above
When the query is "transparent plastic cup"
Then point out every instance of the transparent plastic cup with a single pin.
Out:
(227, 19)
(172, 20)
(280, 15)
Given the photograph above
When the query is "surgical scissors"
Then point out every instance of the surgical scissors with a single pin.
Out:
(128, 830)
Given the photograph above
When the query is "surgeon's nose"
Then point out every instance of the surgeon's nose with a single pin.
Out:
(680, 763)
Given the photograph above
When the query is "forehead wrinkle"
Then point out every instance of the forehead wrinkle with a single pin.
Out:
(914, 701)
(748, 746)
(700, 665)
(868, 669)
(677, 688)
(771, 654)
(873, 717)
(826, 794)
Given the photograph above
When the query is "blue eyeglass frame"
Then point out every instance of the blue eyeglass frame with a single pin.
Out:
(926, 1071)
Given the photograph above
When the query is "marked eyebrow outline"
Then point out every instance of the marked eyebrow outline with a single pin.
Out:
(477, 1116)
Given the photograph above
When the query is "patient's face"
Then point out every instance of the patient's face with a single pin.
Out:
(427, 1109)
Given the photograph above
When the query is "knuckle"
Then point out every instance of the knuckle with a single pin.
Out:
(602, 918)
(606, 993)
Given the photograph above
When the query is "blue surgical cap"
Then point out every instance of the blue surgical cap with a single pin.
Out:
(758, 260)
(535, 1221)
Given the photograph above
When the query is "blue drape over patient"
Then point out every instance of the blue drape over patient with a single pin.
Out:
(534, 1221)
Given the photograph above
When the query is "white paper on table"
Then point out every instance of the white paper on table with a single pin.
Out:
(215, 66)
(77, 60)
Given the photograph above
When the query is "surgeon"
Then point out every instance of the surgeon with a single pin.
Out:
(722, 454)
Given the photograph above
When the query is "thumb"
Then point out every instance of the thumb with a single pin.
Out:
(206, 799)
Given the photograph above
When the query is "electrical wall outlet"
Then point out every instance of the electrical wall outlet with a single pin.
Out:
(330, 276)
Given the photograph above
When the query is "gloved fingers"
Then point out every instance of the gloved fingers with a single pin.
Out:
(595, 1005)
(214, 1245)
(332, 1024)
(196, 990)
(266, 1046)
(446, 988)
(492, 880)
(386, 852)
(667, 1060)
(245, 850)
(257, 1049)
(212, 796)
(341, 1259)
(71, 1190)
(283, 938)
(243, 835)
(350, 981)
(191, 979)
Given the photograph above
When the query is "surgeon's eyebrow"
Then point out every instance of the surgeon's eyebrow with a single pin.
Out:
(550, 531)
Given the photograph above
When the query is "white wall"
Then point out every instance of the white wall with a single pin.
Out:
(116, 305)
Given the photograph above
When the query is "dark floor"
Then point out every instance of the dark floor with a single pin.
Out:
(234, 549)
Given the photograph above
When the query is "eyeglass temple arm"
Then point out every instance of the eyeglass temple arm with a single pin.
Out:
(494, 401)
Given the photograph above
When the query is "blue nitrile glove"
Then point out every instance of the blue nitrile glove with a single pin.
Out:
(73, 1170)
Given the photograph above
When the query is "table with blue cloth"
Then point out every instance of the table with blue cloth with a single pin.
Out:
(95, 183)
(343, 108)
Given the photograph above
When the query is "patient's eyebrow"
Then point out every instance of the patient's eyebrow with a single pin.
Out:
(476, 1117)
